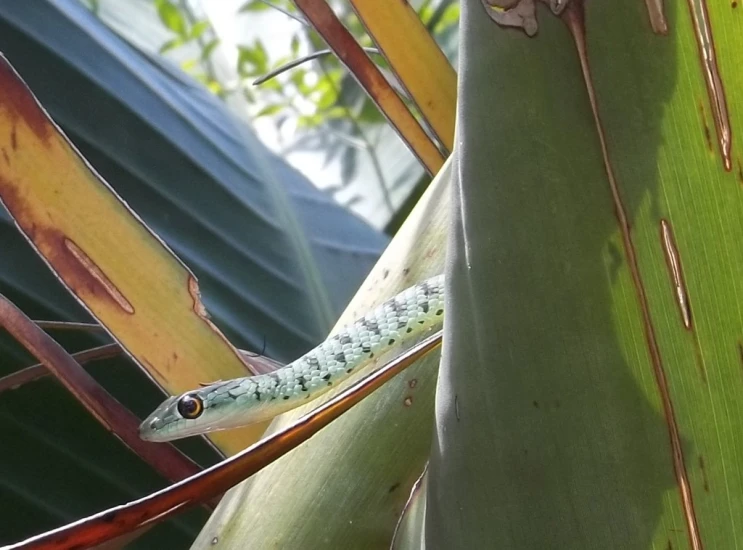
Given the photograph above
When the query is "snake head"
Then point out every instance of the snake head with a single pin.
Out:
(219, 406)
(167, 419)
(184, 415)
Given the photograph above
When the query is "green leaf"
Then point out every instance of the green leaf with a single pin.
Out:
(590, 395)
(269, 110)
(254, 57)
(171, 45)
(327, 99)
(215, 86)
(253, 5)
(209, 47)
(189, 65)
(297, 78)
(172, 18)
(336, 113)
(309, 121)
(198, 28)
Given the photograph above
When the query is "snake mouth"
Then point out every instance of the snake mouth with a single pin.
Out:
(153, 427)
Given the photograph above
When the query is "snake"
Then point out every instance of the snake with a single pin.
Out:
(234, 403)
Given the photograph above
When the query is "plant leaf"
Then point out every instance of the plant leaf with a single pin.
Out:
(572, 388)
(359, 470)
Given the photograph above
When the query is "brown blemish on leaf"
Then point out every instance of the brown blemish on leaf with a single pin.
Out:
(195, 292)
(20, 104)
(393, 487)
(535, 404)
(77, 270)
(704, 474)
(734, 4)
(676, 273)
(707, 133)
(712, 77)
(574, 18)
(740, 352)
(740, 172)
(413, 383)
(97, 273)
(657, 16)
(673, 263)
(6, 157)
(408, 401)
(200, 310)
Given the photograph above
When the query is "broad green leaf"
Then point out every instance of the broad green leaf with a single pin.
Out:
(590, 389)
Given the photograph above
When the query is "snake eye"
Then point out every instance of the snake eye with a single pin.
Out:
(190, 406)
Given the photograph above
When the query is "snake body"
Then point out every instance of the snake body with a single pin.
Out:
(242, 401)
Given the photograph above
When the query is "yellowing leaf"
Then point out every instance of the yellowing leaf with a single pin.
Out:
(105, 255)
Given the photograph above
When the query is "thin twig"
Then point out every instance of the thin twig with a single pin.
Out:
(34, 372)
(296, 62)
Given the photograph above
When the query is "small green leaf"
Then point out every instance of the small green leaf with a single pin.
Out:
(215, 87)
(189, 65)
(209, 48)
(255, 56)
(262, 57)
(448, 19)
(170, 45)
(297, 78)
(172, 18)
(309, 121)
(253, 5)
(198, 28)
(271, 85)
(336, 112)
(370, 113)
(328, 98)
(269, 110)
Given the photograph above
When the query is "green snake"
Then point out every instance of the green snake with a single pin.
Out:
(235, 403)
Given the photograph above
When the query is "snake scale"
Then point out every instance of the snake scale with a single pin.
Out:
(242, 401)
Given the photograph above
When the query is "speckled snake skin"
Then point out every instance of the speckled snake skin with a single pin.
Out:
(251, 399)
